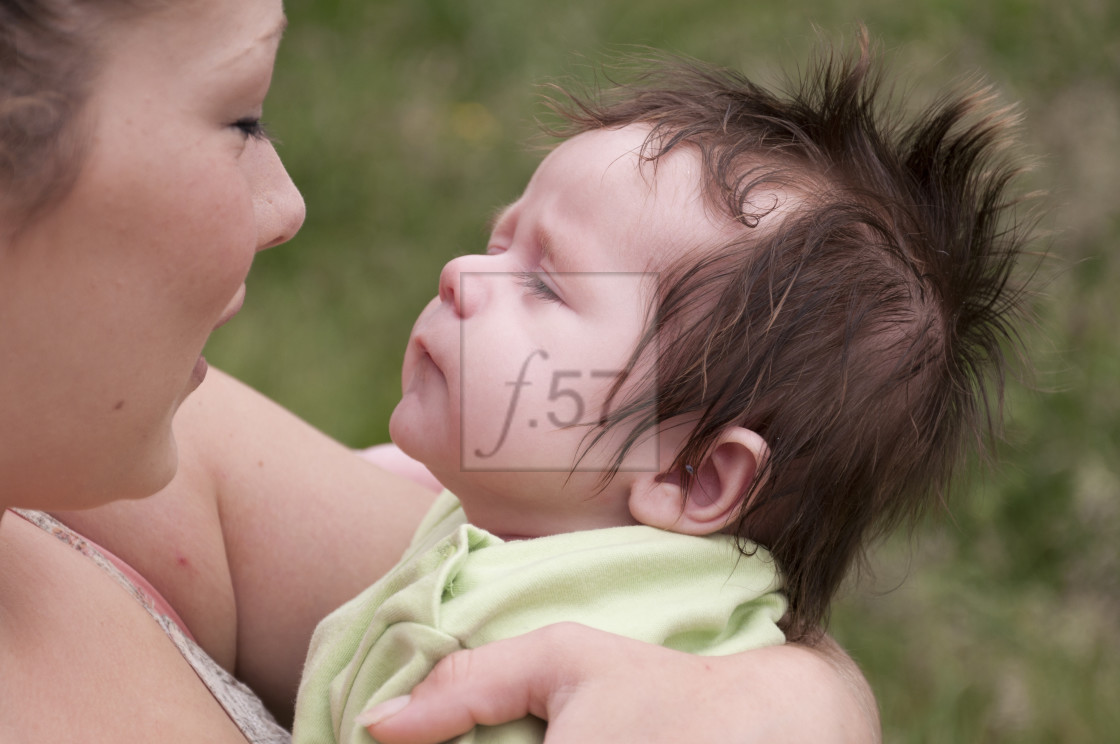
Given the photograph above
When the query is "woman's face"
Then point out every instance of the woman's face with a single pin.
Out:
(107, 300)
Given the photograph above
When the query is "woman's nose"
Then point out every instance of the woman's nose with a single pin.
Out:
(279, 205)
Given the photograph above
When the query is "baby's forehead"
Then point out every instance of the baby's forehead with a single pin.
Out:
(657, 208)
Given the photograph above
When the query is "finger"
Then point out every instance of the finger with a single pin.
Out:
(502, 681)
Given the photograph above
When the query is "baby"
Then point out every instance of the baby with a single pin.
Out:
(723, 339)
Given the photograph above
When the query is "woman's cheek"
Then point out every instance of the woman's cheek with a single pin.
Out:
(206, 271)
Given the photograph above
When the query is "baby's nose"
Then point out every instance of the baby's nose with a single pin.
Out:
(451, 288)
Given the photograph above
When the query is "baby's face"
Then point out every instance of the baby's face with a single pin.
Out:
(508, 368)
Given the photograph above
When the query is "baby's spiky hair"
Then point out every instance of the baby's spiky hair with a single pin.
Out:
(862, 329)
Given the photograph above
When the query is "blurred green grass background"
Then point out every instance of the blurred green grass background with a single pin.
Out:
(406, 123)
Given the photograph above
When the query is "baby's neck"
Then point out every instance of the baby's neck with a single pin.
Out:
(525, 510)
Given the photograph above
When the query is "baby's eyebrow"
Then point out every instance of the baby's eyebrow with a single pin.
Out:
(558, 260)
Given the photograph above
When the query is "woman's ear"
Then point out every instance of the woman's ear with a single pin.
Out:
(720, 482)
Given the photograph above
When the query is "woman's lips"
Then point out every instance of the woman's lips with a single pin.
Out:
(232, 308)
(198, 372)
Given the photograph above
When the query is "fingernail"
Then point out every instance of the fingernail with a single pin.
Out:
(381, 711)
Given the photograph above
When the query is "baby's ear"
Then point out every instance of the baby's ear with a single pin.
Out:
(720, 482)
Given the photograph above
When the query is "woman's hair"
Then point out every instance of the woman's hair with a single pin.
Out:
(860, 329)
(48, 62)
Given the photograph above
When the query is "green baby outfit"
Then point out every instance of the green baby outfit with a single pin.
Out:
(460, 587)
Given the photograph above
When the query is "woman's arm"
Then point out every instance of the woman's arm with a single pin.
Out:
(592, 686)
(307, 526)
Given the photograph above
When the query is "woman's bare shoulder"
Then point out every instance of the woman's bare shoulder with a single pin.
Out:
(83, 661)
(175, 540)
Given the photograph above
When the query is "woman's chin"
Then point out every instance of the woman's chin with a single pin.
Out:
(156, 474)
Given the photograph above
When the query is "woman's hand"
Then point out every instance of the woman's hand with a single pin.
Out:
(593, 686)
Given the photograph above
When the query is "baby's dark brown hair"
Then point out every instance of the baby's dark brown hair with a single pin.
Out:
(861, 328)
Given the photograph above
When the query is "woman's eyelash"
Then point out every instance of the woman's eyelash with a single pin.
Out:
(532, 281)
(252, 126)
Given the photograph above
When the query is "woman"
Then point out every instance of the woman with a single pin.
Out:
(135, 188)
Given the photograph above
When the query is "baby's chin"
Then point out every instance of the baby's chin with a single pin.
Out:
(404, 425)
(420, 443)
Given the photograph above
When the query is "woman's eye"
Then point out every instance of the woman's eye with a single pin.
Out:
(252, 126)
(536, 286)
